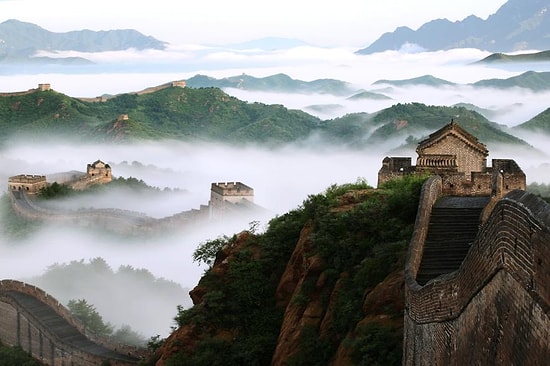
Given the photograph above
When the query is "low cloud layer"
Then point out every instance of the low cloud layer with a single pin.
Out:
(282, 178)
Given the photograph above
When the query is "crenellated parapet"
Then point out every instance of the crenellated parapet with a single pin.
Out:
(31, 184)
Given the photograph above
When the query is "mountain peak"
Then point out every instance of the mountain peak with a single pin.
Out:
(21, 40)
(517, 25)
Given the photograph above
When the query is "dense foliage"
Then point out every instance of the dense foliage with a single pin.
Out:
(361, 234)
(209, 114)
(55, 190)
(89, 317)
(95, 282)
(540, 189)
(417, 119)
(16, 356)
(93, 322)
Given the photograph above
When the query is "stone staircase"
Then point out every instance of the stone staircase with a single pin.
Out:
(454, 224)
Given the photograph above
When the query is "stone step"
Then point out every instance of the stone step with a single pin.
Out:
(454, 223)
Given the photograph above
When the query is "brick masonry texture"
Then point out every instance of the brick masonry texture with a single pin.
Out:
(495, 310)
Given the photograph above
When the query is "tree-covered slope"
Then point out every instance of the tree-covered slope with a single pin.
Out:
(322, 285)
(44, 113)
(539, 124)
(417, 120)
(173, 112)
(209, 114)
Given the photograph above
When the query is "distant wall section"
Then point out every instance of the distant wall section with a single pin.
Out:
(19, 327)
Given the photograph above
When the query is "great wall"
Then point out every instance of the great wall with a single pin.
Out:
(36, 322)
(477, 274)
(494, 308)
(227, 199)
(101, 98)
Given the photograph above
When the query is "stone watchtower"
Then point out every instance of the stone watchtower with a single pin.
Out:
(461, 161)
(451, 150)
(99, 172)
(30, 184)
(225, 197)
(96, 173)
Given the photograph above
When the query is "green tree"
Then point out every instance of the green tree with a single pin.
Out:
(10, 356)
(55, 190)
(206, 251)
(126, 335)
(89, 317)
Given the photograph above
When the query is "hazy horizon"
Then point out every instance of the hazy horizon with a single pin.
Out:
(354, 23)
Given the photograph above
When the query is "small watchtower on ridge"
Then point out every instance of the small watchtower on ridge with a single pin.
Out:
(229, 196)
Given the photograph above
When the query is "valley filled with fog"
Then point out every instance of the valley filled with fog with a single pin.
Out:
(281, 177)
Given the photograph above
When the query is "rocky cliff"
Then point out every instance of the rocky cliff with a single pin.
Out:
(322, 285)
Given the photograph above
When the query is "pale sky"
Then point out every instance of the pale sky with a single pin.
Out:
(354, 23)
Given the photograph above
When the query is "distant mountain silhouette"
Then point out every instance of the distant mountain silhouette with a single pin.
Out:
(543, 56)
(278, 83)
(427, 80)
(20, 41)
(517, 25)
(536, 81)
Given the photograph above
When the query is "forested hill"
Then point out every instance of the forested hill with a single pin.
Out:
(323, 285)
(417, 120)
(209, 114)
(169, 113)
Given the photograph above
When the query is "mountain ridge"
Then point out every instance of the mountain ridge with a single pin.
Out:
(516, 25)
(533, 80)
(209, 114)
(274, 83)
(22, 40)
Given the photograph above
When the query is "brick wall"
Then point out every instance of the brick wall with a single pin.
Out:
(468, 159)
(496, 308)
(18, 327)
(431, 191)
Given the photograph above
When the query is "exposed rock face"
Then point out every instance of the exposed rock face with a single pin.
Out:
(301, 312)
(298, 313)
(186, 338)
(312, 290)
